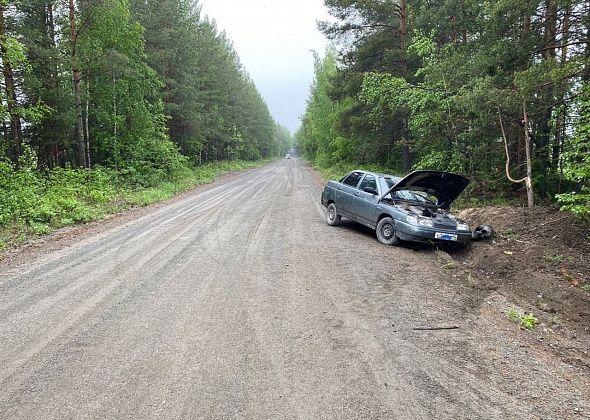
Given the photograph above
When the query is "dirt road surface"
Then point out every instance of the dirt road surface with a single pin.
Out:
(238, 301)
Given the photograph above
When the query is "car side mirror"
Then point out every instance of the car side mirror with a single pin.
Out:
(370, 190)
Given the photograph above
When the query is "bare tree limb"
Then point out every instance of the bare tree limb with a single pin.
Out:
(516, 181)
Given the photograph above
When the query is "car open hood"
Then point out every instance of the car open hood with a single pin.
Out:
(445, 186)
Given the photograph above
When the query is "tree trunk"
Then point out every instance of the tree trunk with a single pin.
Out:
(463, 24)
(115, 132)
(86, 129)
(565, 33)
(167, 99)
(560, 128)
(406, 161)
(51, 36)
(11, 102)
(527, 19)
(529, 159)
(5, 135)
(526, 29)
(403, 34)
(76, 79)
(586, 72)
(53, 146)
(543, 135)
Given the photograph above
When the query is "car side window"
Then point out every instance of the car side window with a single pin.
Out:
(369, 181)
(353, 179)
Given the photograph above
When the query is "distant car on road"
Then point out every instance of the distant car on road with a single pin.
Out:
(288, 156)
(415, 208)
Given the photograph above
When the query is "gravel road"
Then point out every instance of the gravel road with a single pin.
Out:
(238, 301)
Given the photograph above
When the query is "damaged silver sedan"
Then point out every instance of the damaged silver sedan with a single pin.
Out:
(414, 208)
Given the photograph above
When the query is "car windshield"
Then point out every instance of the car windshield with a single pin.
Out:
(407, 195)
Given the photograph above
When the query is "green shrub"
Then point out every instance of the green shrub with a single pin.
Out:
(35, 202)
(40, 228)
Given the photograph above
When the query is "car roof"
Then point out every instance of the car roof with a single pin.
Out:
(378, 174)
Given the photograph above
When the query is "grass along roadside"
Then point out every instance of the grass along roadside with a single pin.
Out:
(204, 174)
(33, 204)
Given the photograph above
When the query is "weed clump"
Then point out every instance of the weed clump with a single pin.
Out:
(553, 259)
(525, 321)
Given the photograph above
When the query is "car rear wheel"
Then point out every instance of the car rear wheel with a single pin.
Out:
(386, 232)
(332, 216)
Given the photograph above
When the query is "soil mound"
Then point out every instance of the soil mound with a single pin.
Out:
(540, 258)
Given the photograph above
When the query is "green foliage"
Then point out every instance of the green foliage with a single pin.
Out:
(449, 265)
(160, 88)
(284, 139)
(213, 109)
(509, 234)
(317, 138)
(338, 170)
(40, 202)
(529, 321)
(577, 162)
(525, 321)
(162, 91)
(440, 89)
(553, 259)
(40, 228)
(14, 62)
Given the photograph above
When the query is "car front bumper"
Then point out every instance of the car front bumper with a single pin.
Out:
(408, 232)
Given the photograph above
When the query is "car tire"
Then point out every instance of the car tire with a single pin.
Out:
(332, 216)
(386, 232)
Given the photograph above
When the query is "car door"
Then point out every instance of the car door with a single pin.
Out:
(364, 204)
(345, 193)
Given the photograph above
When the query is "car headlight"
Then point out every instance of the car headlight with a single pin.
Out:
(462, 226)
(419, 221)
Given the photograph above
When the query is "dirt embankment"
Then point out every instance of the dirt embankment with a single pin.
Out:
(540, 261)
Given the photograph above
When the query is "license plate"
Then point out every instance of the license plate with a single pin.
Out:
(445, 236)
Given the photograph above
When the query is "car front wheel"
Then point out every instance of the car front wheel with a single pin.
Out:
(386, 232)
(332, 216)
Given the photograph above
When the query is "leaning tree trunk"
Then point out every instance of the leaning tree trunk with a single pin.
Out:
(528, 179)
(76, 79)
(9, 87)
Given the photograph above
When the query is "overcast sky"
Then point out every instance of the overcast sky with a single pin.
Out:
(273, 40)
